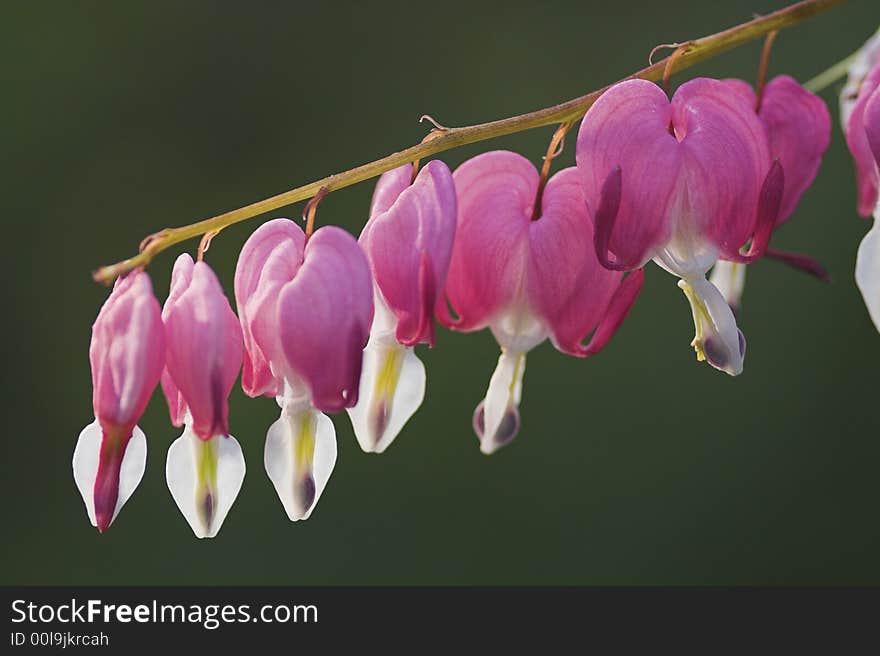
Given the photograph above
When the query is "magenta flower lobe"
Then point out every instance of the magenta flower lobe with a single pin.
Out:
(522, 276)
(203, 349)
(863, 120)
(408, 242)
(686, 173)
(306, 309)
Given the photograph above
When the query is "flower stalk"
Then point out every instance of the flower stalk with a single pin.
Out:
(762, 68)
(699, 50)
(554, 150)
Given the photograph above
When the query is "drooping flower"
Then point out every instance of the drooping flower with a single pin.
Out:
(408, 242)
(682, 182)
(127, 354)
(527, 280)
(862, 81)
(798, 130)
(203, 344)
(305, 306)
(860, 113)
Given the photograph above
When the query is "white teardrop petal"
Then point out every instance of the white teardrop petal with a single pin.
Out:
(730, 279)
(204, 477)
(718, 340)
(500, 415)
(86, 456)
(299, 457)
(868, 269)
(391, 390)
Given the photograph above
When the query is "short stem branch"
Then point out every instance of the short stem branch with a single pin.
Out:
(762, 69)
(311, 209)
(554, 150)
(669, 68)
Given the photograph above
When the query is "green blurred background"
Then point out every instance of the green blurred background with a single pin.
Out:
(639, 466)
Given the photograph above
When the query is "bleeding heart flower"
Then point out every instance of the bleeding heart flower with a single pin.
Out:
(305, 307)
(860, 112)
(408, 242)
(203, 344)
(527, 276)
(683, 182)
(798, 130)
(127, 354)
(862, 81)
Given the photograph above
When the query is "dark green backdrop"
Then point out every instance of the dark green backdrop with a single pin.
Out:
(639, 466)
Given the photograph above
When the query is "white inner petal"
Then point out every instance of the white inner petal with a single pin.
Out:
(503, 396)
(384, 327)
(730, 279)
(686, 257)
(687, 254)
(299, 457)
(518, 328)
(86, 457)
(868, 269)
(204, 477)
(717, 339)
(392, 388)
(295, 396)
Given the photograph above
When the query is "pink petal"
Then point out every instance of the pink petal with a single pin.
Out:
(629, 127)
(204, 350)
(270, 258)
(408, 241)
(567, 287)
(798, 130)
(280, 267)
(181, 276)
(605, 217)
(618, 308)
(389, 186)
(324, 316)
(872, 128)
(769, 202)
(743, 89)
(800, 262)
(127, 352)
(176, 403)
(114, 441)
(495, 191)
(725, 162)
(867, 176)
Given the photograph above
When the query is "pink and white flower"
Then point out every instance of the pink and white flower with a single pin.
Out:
(408, 242)
(127, 354)
(305, 306)
(205, 465)
(527, 276)
(682, 182)
(860, 114)
(798, 130)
